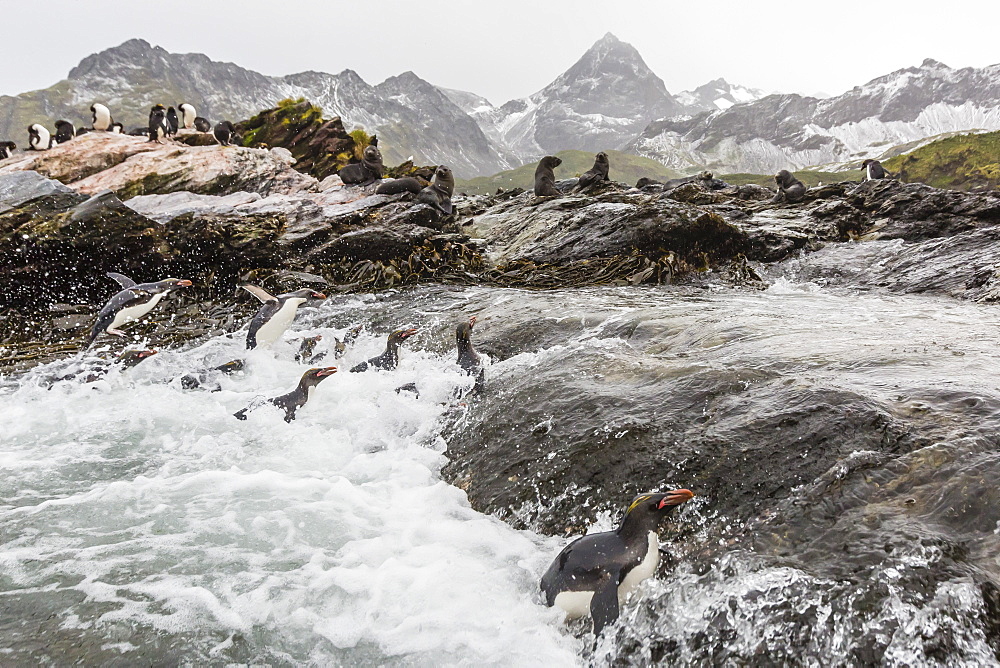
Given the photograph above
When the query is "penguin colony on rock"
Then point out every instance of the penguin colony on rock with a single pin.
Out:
(163, 123)
(593, 575)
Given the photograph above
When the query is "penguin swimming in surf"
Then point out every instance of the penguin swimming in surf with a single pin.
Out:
(101, 116)
(157, 123)
(276, 314)
(295, 399)
(595, 574)
(133, 302)
(390, 358)
(39, 138)
(95, 371)
(468, 358)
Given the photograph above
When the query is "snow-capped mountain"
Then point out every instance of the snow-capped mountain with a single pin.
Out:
(716, 95)
(601, 102)
(792, 131)
(411, 116)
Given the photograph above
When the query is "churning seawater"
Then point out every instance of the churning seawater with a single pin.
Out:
(141, 523)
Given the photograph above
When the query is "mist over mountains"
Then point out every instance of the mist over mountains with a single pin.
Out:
(609, 99)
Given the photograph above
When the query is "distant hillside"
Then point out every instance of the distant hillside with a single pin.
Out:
(962, 162)
(807, 177)
(625, 168)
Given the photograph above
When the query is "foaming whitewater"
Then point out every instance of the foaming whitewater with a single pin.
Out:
(146, 518)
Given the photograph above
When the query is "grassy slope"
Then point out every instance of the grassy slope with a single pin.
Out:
(962, 162)
(625, 168)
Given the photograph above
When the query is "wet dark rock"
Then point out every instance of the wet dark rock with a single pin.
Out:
(17, 188)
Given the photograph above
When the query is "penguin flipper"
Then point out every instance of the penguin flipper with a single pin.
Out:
(122, 279)
(259, 293)
(604, 605)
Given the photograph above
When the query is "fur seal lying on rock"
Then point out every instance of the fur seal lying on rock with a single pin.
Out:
(790, 189)
(438, 193)
(545, 177)
(407, 184)
(596, 174)
(370, 168)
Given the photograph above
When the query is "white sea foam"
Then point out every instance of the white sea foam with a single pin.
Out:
(330, 533)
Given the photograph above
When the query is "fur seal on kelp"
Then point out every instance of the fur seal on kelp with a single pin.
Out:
(596, 174)
(790, 189)
(438, 193)
(545, 176)
(594, 574)
(370, 168)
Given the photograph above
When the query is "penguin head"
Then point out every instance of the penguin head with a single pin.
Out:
(464, 330)
(867, 162)
(168, 284)
(314, 376)
(305, 293)
(657, 505)
(130, 358)
(401, 335)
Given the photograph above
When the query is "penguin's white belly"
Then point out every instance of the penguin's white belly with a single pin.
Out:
(644, 570)
(131, 313)
(272, 330)
(577, 603)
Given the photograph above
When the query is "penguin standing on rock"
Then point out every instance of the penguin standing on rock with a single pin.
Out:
(64, 132)
(7, 149)
(117, 128)
(133, 302)
(157, 123)
(39, 138)
(874, 171)
(188, 114)
(172, 123)
(224, 132)
(595, 574)
(276, 314)
(101, 117)
(202, 124)
(295, 399)
(390, 358)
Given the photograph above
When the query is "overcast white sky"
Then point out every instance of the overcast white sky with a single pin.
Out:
(509, 49)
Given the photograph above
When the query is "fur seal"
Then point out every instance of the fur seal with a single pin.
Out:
(874, 171)
(468, 358)
(276, 314)
(39, 138)
(64, 132)
(596, 174)
(101, 117)
(390, 358)
(545, 177)
(157, 123)
(595, 574)
(438, 193)
(224, 132)
(172, 123)
(790, 189)
(188, 114)
(370, 168)
(131, 303)
(295, 399)
(7, 149)
(407, 184)
(202, 124)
